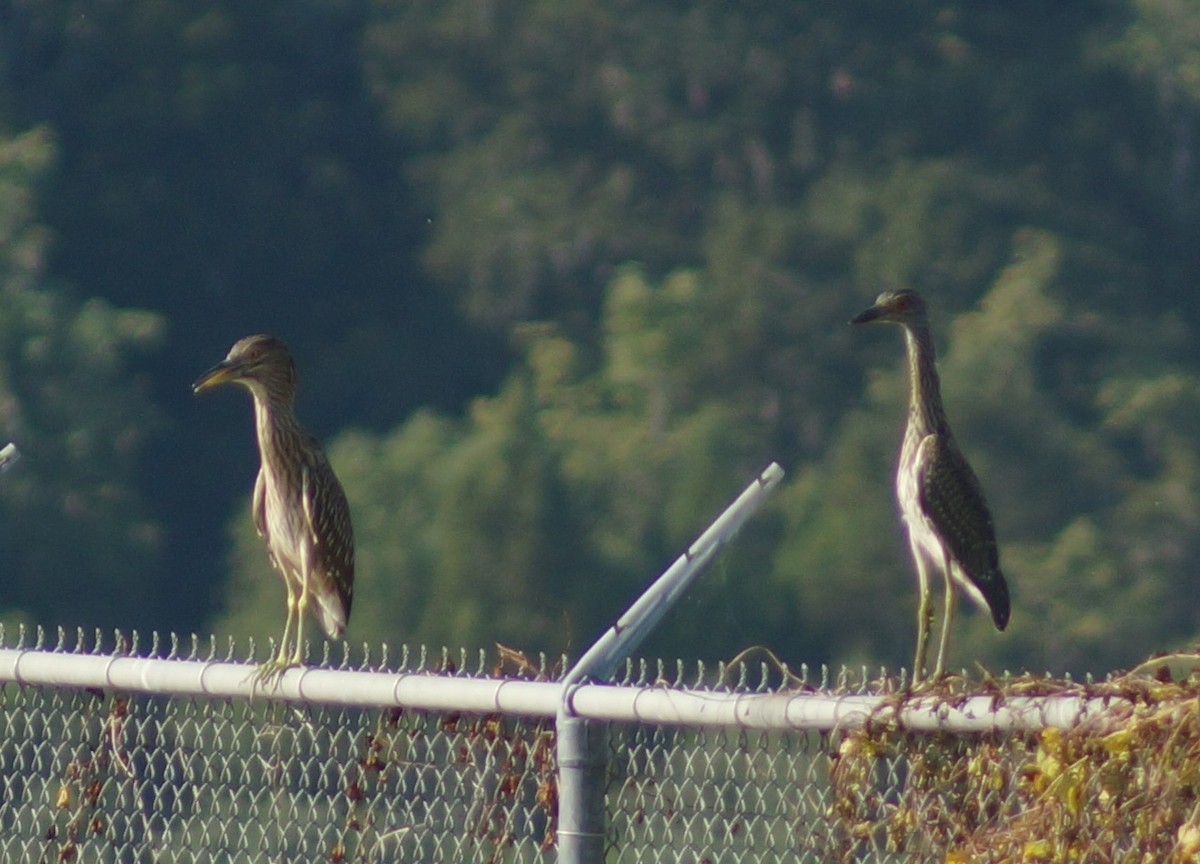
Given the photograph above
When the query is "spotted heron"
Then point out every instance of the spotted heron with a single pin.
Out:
(299, 507)
(949, 524)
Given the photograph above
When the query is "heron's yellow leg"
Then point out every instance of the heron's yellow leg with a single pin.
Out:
(275, 667)
(301, 609)
(924, 614)
(947, 616)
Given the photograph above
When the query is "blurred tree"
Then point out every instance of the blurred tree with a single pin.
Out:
(77, 542)
(356, 176)
(639, 119)
(1161, 44)
(555, 140)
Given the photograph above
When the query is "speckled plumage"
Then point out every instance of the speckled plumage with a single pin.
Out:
(298, 504)
(949, 524)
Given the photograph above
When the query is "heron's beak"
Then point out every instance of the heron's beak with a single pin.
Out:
(219, 374)
(868, 315)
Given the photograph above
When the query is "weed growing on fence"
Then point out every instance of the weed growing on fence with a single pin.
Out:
(1122, 786)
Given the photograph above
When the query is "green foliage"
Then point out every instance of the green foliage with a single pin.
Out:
(556, 140)
(687, 202)
(76, 537)
(1121, 785)
(1162, 42)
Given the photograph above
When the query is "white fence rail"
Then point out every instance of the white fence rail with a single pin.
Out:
(652, 705)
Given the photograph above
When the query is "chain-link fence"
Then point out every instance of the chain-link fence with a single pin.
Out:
(97, 773)
(91, 776)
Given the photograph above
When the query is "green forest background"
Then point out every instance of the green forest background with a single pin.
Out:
(561, 276)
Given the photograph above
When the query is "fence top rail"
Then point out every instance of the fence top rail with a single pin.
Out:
(646, 704)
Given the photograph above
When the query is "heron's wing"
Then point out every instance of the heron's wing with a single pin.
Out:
(258, 506)
(331, 535)
(952, 499)
(258, 509)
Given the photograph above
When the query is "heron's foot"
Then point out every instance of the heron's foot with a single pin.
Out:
(938, 685)
(923, 681)
(930, 682)
(270, 673)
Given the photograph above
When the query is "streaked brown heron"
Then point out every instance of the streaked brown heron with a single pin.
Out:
(299, 507)
(949, 524)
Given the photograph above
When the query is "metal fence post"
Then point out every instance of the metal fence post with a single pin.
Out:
(581, 753)
(582, 762)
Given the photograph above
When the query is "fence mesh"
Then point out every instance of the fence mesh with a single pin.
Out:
(89, 775)
(99, 777)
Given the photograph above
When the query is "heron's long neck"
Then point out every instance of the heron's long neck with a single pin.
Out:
(925, 401)
(279, 432)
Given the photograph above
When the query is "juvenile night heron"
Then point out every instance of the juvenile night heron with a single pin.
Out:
(299, 507)
(949, 524)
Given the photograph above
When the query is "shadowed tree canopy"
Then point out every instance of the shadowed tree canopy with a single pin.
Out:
(73, 524)
(561, 276)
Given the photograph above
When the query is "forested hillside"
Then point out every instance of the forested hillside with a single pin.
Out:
(560, 277)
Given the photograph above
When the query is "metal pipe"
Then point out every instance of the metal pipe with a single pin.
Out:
(611, 649)
(599, 703)
(583, 761)
(581, 756)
